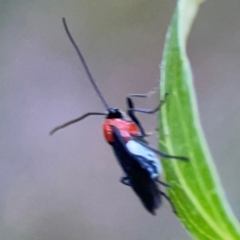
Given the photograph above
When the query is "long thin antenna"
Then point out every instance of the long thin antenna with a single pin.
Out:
(85, 65)
(76, 120)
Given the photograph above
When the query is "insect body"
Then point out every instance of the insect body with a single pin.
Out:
(141, 168)
(126, 128)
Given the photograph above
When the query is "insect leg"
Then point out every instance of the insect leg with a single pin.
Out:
(148, 111)
(76, 120)
(125, 180)
(169, 200)
(133, 116)
(146, 95)
(132, 109)
(163, 183)
(161, 154)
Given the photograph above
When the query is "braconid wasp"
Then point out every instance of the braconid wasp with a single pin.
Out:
(141, 168)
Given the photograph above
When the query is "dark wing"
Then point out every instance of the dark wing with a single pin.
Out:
(140, 180)
(146, 188)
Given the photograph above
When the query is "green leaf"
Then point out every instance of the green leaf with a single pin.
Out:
(195, 187)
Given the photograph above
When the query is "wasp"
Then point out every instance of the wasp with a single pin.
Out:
(141, 168)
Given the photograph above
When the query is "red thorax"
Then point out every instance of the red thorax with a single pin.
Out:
(126, 128)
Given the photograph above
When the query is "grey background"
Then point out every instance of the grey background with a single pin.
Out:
(66, 186)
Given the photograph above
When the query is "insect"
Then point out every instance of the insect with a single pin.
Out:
(141, 168)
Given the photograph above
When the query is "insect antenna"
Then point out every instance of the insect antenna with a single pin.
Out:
(76, 120)
(85, 65)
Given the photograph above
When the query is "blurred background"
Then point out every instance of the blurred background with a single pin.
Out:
(67, 186)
